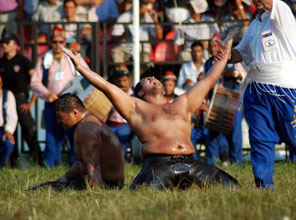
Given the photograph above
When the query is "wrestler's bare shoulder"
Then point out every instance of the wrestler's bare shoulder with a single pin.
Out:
(90, 125)
(91, 118)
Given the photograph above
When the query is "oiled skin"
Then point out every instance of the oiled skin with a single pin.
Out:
(98, 153)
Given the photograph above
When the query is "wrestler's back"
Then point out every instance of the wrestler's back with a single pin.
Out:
(165, 130)
(108, 150)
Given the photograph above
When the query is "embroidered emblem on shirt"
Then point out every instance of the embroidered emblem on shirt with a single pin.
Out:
(269, 43)
(266, 35)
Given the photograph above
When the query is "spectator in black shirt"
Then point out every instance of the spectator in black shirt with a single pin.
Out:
(16, 71)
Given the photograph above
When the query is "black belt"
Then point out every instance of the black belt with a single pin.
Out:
(167, 158)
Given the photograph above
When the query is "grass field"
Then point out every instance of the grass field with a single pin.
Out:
(209, 203)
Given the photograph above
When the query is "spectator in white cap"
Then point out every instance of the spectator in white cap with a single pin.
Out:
(193, 30)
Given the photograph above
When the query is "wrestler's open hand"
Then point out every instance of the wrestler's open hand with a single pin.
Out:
(225, 45)
(73, 56)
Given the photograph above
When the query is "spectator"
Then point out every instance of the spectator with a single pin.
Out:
(124, 51)
(86, 10)
(116, 122)
(108, 11)
(223, 10)
(71, 30)
(191, 71)
(169, 85)
(8, 122)
(158, 6)
(30, 7)
(47, 11)
(219, 143)
(10, 11)
(176, 11)
(52, 74)
(16, 71)
(193, 31)
(124, 6)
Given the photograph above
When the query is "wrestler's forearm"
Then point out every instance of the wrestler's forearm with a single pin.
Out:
(74, 172)
(123, 102)
(94, 175)
(197, 94)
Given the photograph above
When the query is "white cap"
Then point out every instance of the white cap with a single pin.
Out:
(199, 6)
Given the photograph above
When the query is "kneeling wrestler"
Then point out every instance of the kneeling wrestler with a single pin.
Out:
(97, 149)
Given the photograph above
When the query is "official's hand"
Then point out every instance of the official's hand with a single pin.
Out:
(26, 107)
(52, 97)
(10, 137)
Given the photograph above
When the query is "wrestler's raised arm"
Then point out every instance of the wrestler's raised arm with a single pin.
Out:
(124, 103)
(198, 92)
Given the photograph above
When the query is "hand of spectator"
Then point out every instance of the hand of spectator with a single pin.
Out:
(153, 14)
(239, 3)
(204, 107)
(10, 137)
(26, 107)
(52, 97)
(225, 45)
(74, 57)
(187, 83)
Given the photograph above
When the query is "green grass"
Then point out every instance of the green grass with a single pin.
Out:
(209, 203)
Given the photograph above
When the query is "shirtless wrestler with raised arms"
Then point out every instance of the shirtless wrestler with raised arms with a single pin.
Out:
(97, 149)
(164, 128)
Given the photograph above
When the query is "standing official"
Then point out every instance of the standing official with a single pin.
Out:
(16, 71)
(269, 47)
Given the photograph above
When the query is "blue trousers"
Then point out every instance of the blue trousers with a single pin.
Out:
(292, 156)
(6, 149)
(124, 134)
(235, 140)
(55, 137)
(271, 118)
(216, 147)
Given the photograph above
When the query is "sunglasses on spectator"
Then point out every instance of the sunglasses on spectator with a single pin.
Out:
(58, 41)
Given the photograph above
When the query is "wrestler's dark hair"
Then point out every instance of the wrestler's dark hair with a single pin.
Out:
(138, 88)
(67, 102)
(196, 43)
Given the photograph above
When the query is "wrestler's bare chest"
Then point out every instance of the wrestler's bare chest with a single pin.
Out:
(167, 113)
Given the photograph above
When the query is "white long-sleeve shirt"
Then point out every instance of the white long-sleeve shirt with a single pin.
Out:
(189, 71)
(11, 114)
(269, 46)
